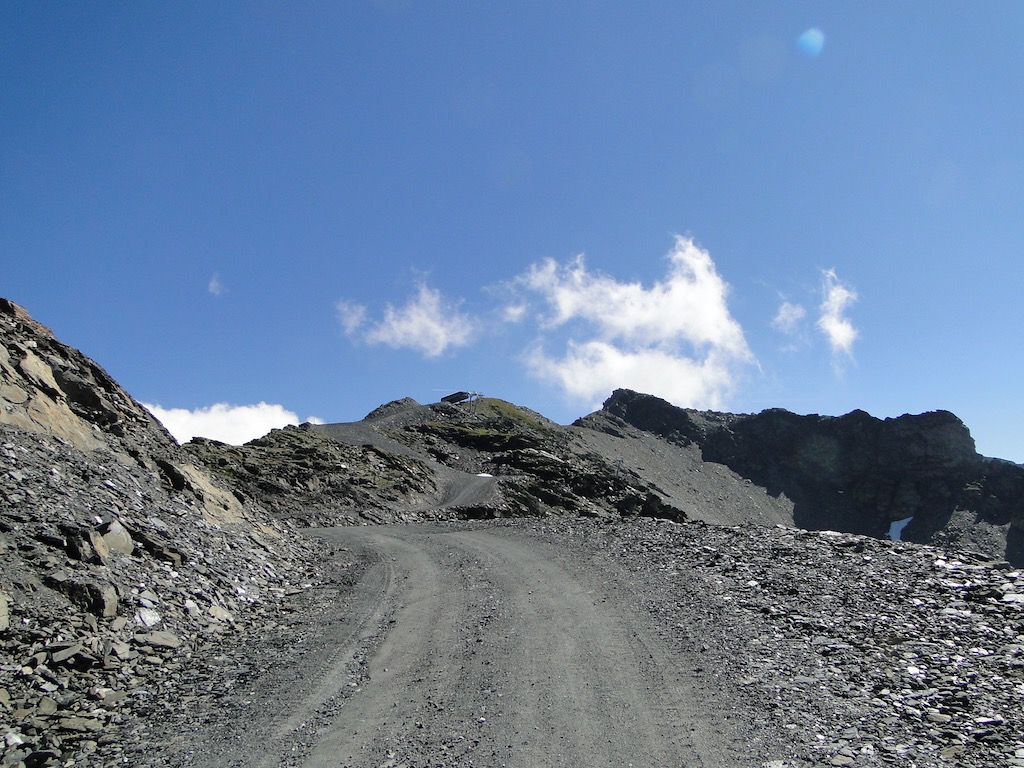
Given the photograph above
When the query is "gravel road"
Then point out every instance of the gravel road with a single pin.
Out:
(486, 647)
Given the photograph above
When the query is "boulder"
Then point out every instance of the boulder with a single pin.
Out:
(116, 538)
(95, 597)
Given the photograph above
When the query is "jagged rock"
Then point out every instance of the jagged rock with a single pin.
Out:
(159, 639)
(50, 388)
(300, 473)
(160, 549)
(855, 472)
(98, 599)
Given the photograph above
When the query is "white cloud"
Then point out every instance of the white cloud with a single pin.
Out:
(592, 369)
(688, 305)
(234, 424)
(676, 339)
(789, 319)
(833, 323)
(215, 287)
(426, 323)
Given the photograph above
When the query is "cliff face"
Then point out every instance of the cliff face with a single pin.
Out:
(856, 473)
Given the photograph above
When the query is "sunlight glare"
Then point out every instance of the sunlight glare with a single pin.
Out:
(811, 42)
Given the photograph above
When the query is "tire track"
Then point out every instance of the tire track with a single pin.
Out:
(501, 651)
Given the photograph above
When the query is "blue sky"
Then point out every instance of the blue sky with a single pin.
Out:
(321, 207)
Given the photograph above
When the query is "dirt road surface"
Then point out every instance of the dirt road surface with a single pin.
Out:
(488, 648)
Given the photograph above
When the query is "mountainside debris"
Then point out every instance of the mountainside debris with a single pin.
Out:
(857, 651)
(120, 560)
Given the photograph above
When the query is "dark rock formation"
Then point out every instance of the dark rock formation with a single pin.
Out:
(541, 470)
(857, 473)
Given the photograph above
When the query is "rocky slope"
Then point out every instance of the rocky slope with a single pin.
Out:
(640, 455)
(854, 651)
(301, 474)
(411, 462)
(121, 562)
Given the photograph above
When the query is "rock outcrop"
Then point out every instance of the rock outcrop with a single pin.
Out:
(538, 466)
(49, 388)
(301, 474)
(856, 473)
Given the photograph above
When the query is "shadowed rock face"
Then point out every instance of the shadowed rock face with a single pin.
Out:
(856, 473)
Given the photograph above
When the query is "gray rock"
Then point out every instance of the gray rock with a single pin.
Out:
(159, 639)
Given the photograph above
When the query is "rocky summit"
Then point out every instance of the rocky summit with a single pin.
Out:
(143, 584)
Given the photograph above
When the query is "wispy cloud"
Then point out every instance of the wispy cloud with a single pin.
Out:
(789, 319)
(427, 323)
(514, 313)
(351, 316)
(833, 322)
(215, 287)
(234, 424)
(676, 338)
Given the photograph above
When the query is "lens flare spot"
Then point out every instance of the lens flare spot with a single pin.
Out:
(811, 42)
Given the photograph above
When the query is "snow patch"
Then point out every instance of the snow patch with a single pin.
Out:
(896, 528)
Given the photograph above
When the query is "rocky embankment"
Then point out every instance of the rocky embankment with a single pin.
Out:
(300, 474)
(121, 562)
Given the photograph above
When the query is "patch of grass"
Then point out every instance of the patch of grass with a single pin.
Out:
(490, 406)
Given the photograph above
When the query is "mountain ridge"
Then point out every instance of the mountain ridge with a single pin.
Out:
(640, 454)
(856, 473)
